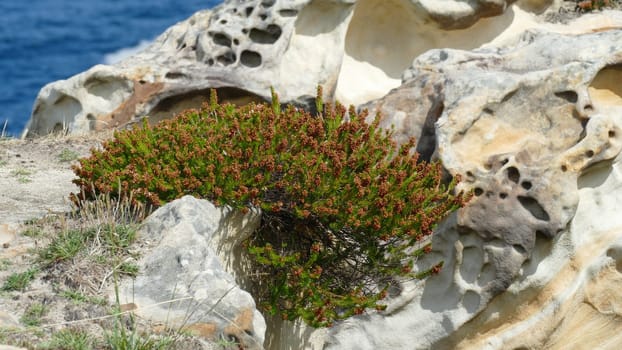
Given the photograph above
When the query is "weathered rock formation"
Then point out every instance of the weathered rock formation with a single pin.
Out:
(532, 123)
(535, 131)
(357, 50)
(184, 283)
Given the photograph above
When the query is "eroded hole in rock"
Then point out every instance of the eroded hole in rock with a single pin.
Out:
(245, 31)
(503, 195)
(616, 255)
(288, 13)
(612, 133)
(526, 185)
(107, 88)
(270, 35)
(427, 138)
(513, 174)
(472, 260)
(606, 89)
(210, 62)
(221, 39)
(533, 207)
(541, 250)
(250, 58)
(236, 42)
(589, 153)
(588, 107)
(570, 96)
(175, 75)
(58, 128)
(564, 168)
(168, 107)
(478, 191)
(520, 249)
(92, 121)
(595, 175)
(504, 161)
(471, 301)
(223, 21)
(508, 96)
(62, 112)
(226, 58)
(486, 275)
(267, 3)
(263, 16)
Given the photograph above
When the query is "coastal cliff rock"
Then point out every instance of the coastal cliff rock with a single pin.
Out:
(536, 135)
(532, 123)
(357, 50)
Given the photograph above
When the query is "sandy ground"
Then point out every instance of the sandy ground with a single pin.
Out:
(36, 176)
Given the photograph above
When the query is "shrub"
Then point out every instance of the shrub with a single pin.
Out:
(342, 206)
(590, 5)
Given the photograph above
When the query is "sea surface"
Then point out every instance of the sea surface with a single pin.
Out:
(46, 40)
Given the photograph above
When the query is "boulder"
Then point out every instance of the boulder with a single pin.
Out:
(356, 49)
(534, 129)
(186, 278)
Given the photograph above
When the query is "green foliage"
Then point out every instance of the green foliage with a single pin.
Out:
(590, 5)
(70, 339)
(33, 314)
(112, 241)
(80, 298)
(343, 208)
(67, 155)
(120, 338)
(20, 281)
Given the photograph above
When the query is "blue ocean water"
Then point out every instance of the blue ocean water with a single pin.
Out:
(46, 40)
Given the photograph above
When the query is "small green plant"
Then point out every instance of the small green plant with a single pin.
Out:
(32, 231)
(70, 339)
(79, 298)
(591, 5)
(129, 269)
(33, 314)
(65, 246)
(22, 175)
(4, 264)
(20, 281)
(114, 239)
(68, 155)
(21, 172)
(344, 209)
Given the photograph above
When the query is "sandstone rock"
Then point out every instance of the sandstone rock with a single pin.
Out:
(357, 50)
(183, 282)
(535, 130)
(9, 347)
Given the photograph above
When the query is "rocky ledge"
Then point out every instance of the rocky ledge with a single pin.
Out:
(522, 99)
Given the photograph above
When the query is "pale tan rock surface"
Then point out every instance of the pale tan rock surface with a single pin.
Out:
(534, 129)
(531, 122)
(357, 50)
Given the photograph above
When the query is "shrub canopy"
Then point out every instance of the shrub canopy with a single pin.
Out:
(342, 206)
